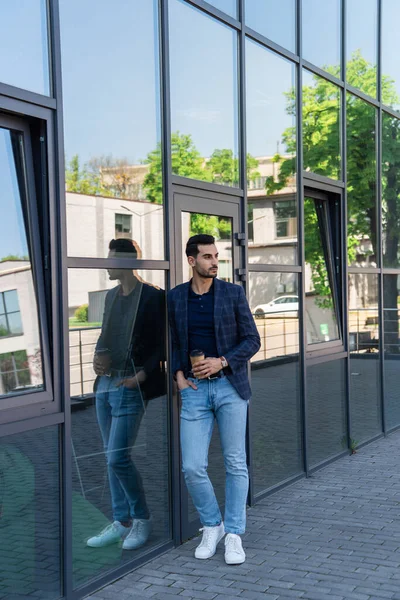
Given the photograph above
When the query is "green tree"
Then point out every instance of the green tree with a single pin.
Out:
(221, 167)
(14, 257)
(224, 167)
(79, 180)
(186, 162)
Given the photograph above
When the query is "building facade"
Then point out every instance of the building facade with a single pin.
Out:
(274, 126)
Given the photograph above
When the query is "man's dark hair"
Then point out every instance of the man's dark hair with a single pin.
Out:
(125, 246)
(192, 246)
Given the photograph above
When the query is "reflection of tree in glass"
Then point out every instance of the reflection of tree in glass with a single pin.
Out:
(315, 255)
(321, 143)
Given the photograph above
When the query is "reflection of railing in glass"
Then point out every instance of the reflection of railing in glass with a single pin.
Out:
(363, 330)
(82, 344)
(392, 330)
(279, 336)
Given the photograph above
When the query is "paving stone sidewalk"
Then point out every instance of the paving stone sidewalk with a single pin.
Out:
(334, 536)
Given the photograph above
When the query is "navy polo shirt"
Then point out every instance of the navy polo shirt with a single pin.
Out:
(201, 322)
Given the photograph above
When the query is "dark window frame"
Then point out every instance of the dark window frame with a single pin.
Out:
(117, 217)
(25, 169)
(277, 204)
(329, 212)
(10, 312)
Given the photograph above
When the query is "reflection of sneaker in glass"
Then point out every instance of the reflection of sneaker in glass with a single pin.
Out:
(208, 545)
(113, 533)
(139, 534)
(234, 553)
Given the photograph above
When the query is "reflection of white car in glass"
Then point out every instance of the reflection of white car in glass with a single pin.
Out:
(283, 304)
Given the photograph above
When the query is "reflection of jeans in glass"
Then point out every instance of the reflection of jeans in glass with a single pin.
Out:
(119, 413)
(215, 399)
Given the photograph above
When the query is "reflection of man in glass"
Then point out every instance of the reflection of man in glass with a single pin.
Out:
(127, 363)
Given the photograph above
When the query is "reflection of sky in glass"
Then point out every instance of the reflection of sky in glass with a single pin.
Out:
(203, 58)
(269, 77)
(12, 229)
(362, 35)
(228, 6)
(275, 19)
(110, 71)
(24, 56)
(321, 32)
(390, 37)
(110, 78)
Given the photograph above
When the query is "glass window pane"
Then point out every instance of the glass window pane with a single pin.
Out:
(326, 409)
(390, 190)
(390, 62)
(117, 375)
(321, 34)
(11, 301)
(30, 540)
(16, 279)
(275, 379)
(112, 131)
(24, 51)
(221, 229)
(361, 183)
(271, 159)
(361, 44)
(274, 20)
(391, 329)
(227, 6)
(321, 126)
(204, 96)
(4, 330)
(15, 323)
(364, 357)
(321, 320)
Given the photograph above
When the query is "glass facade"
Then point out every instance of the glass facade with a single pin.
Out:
(124, 131)
(30, 528)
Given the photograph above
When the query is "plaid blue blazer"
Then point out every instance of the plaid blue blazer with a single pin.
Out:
(236, 334)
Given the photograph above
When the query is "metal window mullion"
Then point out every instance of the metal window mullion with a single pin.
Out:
(344, 219)
(301, 242)
(61, 335)
(212, 11)
(381, 306)
(174, 459)
(244, 211)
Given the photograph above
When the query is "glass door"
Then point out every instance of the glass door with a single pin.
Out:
(195, 214)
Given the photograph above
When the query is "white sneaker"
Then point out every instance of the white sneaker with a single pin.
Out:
(139, 534)
(234, 553)
(113, 533)
(210, 539)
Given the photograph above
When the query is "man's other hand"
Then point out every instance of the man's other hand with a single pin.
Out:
(183, 383)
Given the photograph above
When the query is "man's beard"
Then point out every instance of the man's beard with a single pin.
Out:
(207, 274)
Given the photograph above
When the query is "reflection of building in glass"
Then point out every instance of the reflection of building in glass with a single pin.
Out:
(20, 356)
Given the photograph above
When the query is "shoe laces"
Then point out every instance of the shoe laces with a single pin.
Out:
(137, 525)
(233, 543)
(207, 537)
(109, 528)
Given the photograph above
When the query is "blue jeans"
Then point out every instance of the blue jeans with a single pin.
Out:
(215, 399)
(119, 413)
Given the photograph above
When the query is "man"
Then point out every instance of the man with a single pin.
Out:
(128, 364)
(213, 316)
